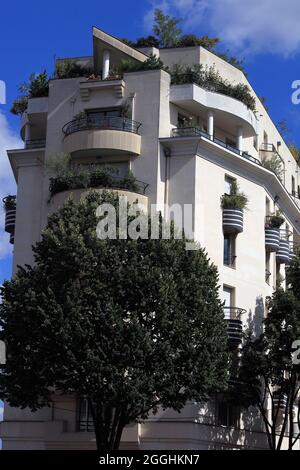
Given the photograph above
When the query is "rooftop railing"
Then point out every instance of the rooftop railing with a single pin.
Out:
(105, 123)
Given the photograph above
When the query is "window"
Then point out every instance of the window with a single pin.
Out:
(268, 207)
(103, 113)
(230, 142)
(268, 267)
(228, 184)
(228, 298)
(85, 420)
(229, 251)
(265, 138)
(255, 142)
(293, 186)
(298, 191)
(227, 415)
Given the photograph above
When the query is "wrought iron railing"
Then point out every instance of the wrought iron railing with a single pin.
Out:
(105, 123)
(35, 144)
(96, 180)
(196, 132)
(233, 313)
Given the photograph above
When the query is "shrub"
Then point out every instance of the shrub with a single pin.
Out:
(275, 220)
(274, 164)
(209, 79)
(9, 202)
(70, 68)
(149, 41)
(189, 40)
(234, 200)
(152, 63)
(19, 105)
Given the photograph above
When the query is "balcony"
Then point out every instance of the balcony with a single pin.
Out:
(187, 132)
(77, 186)
(233, 221)
(272, 234)
(234, 325)
(108, 135)
(229, 112)
(294, 250)
(283, 255)
(280, 400)
(272, 160)
(35, 144)
(10, 216)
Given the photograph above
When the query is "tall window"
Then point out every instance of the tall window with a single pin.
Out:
(227, 415)
(268, 267)
(228, 298)
(229, 256)
(85, 420)
(293, 186)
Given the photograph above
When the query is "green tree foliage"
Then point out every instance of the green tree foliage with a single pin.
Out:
(70, 68)
(131, 325)
(166, 29)
(268, 372)
(235, 200)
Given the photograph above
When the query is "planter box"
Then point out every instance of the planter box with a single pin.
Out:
(233, 220)
(283, 255)
(272, 239)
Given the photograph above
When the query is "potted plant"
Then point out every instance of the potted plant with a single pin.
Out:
(272, 231)
(233, 206)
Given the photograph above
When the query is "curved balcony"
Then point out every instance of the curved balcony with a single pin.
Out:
(10, 216)
(233, 220)
(280, 400)
(283, 255)
(108, 135)
(229, 112)
(62, 188)
(272, 235)
(234, 325)
(294, 250)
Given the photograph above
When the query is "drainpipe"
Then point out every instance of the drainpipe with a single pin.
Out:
(105, 64)
(210, 124)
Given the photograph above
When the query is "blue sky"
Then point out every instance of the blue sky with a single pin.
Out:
(266, 33)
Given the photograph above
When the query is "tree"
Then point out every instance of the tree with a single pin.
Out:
(130, 325)
(268, 375)
(166, 29)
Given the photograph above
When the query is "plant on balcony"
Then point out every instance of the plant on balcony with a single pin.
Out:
(132, 325)
(190, 40)
(234, 200)
(274, 164)
(209, 79)
(36, 87)
(149, 41)
(152, 63)
(19, 105)
(275, 220)
(9, 202)
(70, 68)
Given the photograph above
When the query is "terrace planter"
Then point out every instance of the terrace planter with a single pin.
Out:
(233, 220)
(272, 239)
(283, 255)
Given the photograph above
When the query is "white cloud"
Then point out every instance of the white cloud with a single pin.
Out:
(8, 140)
(259, 26)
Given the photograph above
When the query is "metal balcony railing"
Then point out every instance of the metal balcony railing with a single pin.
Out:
(105, 123)
(196, 132)
(35, 144)
(10, 216)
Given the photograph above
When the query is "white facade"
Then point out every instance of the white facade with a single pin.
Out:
(178, 168)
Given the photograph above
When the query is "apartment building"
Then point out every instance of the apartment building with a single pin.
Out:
(179, 164)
